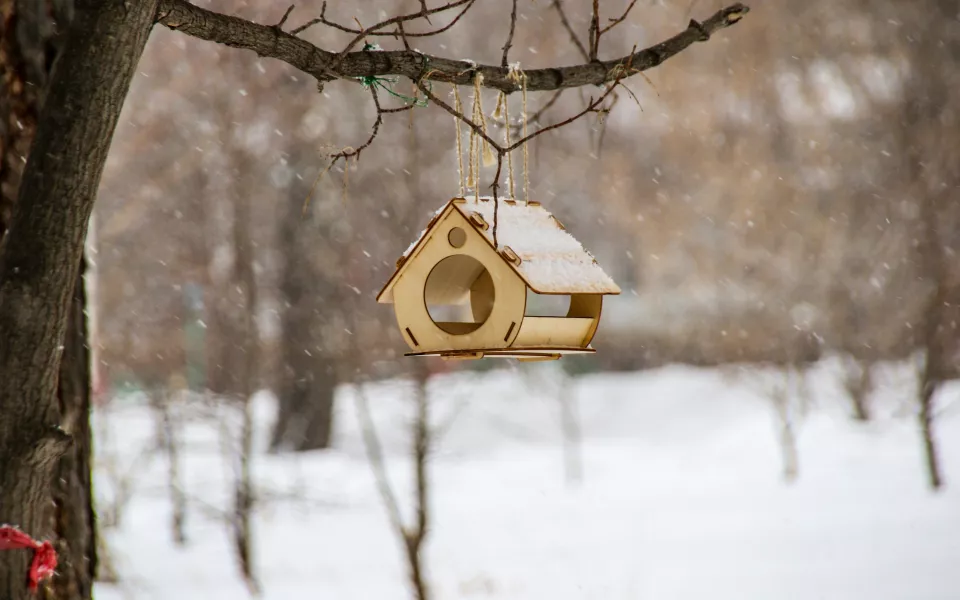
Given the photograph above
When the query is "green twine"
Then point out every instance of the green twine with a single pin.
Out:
(386, 83)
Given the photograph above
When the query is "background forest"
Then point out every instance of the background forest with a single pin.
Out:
(779, 207)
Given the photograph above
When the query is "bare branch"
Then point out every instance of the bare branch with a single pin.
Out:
(591, 107)
(350, 152)
(495, 186)
(375, 29)
(594, 33)
(269, 42)
(566, 25)
(534, 118)
(403, 36)
(615, 22)
(375, 456)
(424, 11)
(513, 27)
(469, 122)
(283, 19)
(621, 71)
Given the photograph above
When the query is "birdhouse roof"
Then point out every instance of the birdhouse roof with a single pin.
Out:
(551, 260)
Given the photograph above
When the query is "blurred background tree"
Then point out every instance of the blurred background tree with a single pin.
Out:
(785, 195)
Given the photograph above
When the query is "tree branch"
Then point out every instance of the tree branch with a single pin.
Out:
(286, 15)
(513, 27)
(268, 41)
(375, 29)
(573, 34)
(477, 129)
(617, 21)
(594, 33)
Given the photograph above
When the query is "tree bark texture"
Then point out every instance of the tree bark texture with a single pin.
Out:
(74, 519)
(32, 35)
(273, 42)
(41, 258)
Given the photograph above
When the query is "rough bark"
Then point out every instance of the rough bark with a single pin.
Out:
(32, 35)
(273, 42)
(41, 258)
(74, 518)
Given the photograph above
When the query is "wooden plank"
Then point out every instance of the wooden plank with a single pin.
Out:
(553, 331)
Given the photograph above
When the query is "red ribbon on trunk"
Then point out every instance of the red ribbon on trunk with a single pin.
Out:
(44, 556)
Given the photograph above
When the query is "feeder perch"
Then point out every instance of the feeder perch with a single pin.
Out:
(459, 297)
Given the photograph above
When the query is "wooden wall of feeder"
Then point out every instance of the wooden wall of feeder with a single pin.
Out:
(457, 296)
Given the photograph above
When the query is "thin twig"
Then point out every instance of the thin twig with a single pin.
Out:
(615, 22)
(374, 449)
(591, 107)
(558, 5)
(269, 42)
(469, 122)
(283, 20)
(594, 32)
(603, 124)
(496, 201)
(632, 95)
(375, 29)
(513, 26)
(394, 33)
(351, 152)
(403, 36)
(535, 117)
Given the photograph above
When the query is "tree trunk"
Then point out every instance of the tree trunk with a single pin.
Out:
(934, 369)
(307, 380)
(417, 535)
(246, 281)
(74, 520)
(39, 265)
(31, 39)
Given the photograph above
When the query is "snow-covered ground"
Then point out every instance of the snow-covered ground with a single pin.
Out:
(681, 497)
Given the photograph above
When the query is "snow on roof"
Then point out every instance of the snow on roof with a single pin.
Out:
(552, 260)
(423, 234)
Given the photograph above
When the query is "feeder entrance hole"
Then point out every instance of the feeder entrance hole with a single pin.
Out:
(459, 294)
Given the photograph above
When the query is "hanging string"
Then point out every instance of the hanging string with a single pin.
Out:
(459, 107)
(473, 166)
(526, 170)
(477, 118)
(506, 138)
(518, 76)
(488, 158)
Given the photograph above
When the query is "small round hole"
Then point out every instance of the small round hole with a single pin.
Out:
(457, 237)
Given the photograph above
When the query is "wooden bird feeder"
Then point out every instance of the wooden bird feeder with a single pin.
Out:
(459, 297)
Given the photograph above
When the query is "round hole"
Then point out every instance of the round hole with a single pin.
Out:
(459, 294)
(457, 237)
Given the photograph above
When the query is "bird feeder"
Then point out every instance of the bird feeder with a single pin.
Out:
(458, 296)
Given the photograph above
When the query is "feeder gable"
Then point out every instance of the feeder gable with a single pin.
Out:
(441, 225)
(551, 261)
(533, 243)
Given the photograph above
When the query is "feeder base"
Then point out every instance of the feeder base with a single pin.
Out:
(524, 354)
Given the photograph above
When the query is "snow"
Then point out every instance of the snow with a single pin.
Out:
(423, 234)
(681, 497)
(552, 260)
